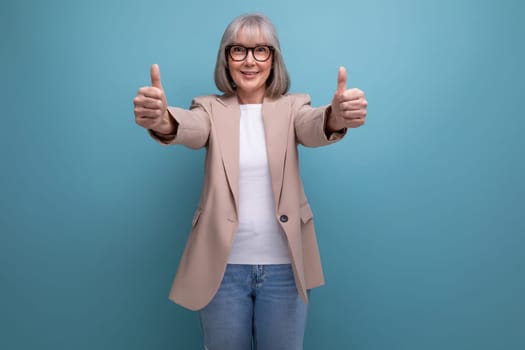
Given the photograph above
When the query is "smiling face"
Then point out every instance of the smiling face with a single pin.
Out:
(250, 75)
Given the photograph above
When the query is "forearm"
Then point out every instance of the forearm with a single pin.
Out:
(311, 127)
(190, 128)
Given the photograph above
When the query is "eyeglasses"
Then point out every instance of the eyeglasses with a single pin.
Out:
(261, 53)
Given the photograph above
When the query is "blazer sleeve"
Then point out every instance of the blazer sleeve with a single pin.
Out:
(309, 123)
(193, 125)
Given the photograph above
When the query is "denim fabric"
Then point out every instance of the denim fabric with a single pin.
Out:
(256, 307)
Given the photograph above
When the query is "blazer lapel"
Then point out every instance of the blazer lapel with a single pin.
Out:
(227, 122)
(276, 117)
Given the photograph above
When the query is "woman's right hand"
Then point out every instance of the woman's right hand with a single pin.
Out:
(151, 107)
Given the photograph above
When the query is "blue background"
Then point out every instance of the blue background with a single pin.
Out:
(420, 213)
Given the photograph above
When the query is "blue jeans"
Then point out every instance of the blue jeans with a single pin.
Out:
(255, 305)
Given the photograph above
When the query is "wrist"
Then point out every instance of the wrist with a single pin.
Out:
(331, 124)
(167, 127)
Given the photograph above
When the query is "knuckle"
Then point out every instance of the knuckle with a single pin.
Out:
(156, 92)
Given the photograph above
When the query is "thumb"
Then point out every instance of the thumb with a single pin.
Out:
(155, 76)
(341, 80)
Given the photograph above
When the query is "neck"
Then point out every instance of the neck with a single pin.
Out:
(250, 97)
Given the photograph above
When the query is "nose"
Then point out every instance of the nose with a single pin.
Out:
(250, 59)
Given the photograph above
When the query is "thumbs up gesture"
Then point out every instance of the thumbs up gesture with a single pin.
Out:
(151, 107)
(348, 106)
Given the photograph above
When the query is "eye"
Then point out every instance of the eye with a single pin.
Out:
(237, 49)
(262, 49)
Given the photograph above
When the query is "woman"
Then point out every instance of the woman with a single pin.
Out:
(252, 254)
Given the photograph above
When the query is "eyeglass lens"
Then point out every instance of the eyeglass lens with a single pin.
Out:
(239, 53)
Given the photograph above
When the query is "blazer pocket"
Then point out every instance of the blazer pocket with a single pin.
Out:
(196, 217)
(306, 213)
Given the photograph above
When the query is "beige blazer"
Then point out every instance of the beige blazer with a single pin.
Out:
(213, 122)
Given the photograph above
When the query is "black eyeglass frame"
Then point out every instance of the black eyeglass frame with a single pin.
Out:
(248, 49)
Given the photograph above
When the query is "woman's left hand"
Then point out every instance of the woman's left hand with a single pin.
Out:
(348, 106)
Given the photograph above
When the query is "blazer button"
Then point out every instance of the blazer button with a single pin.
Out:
(283, 218)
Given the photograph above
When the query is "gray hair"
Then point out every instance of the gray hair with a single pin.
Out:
(278, 82)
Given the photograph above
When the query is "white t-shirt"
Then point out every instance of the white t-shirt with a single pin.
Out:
(259, 238)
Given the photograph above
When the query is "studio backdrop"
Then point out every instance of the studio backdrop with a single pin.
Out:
(419, 213)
